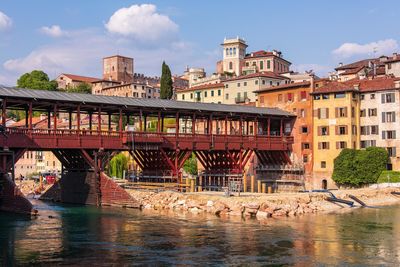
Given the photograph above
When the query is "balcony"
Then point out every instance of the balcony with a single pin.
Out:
(241, 99)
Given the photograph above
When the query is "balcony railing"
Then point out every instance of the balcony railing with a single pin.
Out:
(241, 99)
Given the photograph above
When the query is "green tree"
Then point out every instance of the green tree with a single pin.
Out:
(190, 165)
(84, 88)
(166, 84)
(356, 167)
(117, 165)
(37, 79)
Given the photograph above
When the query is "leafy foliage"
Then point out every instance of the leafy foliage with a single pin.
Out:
(166, 84)
(84, 88)
(356, 167)
(190, 165)
(389, 177)
(37, 79)
(117, 166)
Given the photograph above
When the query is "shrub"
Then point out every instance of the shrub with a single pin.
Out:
(389, 177)
(357, 167)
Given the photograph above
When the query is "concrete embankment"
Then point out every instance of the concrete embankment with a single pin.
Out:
(261, 206)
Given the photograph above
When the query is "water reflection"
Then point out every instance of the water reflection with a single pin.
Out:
(77, 235)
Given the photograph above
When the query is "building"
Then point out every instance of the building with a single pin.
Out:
(118, 68)
(380, 116)
(66, 81)
(137, 90)
(241, 89)
(236, 61)
(392, 65)
(207, 93)
(295, 98)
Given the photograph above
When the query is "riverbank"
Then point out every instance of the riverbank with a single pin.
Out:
(260, 206)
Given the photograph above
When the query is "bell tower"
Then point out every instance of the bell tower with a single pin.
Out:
(234, 51)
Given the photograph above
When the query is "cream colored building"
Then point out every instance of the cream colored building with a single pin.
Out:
(66, 81)
(208, 93)
(234, 51)
(240, 90)
(136, 90)
(392, 65)
(380, 117)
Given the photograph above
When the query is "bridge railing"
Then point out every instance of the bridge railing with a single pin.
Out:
(129, 136)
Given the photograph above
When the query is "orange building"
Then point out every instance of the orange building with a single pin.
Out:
(295, 98)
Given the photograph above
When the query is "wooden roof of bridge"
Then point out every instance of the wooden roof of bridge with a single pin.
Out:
(44, 100)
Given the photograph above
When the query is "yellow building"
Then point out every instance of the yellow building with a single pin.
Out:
(336, 123)
(208, 93)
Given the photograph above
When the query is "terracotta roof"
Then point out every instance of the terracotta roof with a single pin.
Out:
(266, 74)
(284, 86)
(79, 78)
(262, 53)
(201, 87)
(363, 85)
(353, 70)
(393, 59)
(357, 64)
(35, 121)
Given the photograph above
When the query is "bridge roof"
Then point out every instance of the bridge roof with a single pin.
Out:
(12, 93)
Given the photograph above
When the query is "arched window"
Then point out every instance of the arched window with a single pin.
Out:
(230, 65)
(227, 51)
(230, 51)
(234, 51)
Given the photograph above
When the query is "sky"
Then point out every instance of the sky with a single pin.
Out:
(72, 36)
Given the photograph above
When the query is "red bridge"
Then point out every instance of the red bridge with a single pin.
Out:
(223, 138)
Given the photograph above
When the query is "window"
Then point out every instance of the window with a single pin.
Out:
(226, 96)
(323, 164)
(353, 112)
(317, 97)
(341, 112)
(305, 158)
(280, 98)
(268, 64)
(389, 116)
(256, 82)
(391, 151)
(230, 51)
(362, 97)
(353, 129)
(234, 51)
(205, 93)
(212, 92)
(323, 130)
(340, 95)
(304, 129)
(374, 129)
(367, 143)
(325, 96)
(183, 96)
(191, 95)
(341, 145)
(372, 112)
(303, 95)
(302, 113)
(389, 66)
(230, 65)
(261, 65)
(388, 98)
(238, 84)
(341, 130)
(270, 83)
(388, 134)
(263, 82)
(363, 113)
(290, 97)
(305, 146)
(245, 84)
(227, 51)
(372, 96)
(219, 92)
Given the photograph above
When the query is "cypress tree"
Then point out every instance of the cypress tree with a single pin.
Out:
(166, 83)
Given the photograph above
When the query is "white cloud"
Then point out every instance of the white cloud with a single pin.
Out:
(53, 31)
(379, 48)
(142, 22)
(5, 21)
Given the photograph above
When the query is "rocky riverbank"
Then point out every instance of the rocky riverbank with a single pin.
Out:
(260, 206)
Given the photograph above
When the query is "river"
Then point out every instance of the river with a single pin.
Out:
(84, 236)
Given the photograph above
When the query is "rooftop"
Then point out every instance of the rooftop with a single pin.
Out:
(266, 74)
(202, 87)
(284, 87)
(45, 99)
(79, 78)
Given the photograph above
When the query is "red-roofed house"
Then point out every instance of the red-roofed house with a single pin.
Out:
(66, 81)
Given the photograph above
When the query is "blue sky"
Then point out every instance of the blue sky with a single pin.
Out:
(72, 36)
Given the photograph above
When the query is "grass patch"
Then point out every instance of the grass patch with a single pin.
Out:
(389, 177)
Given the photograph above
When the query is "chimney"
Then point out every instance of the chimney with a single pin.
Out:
(340, 64)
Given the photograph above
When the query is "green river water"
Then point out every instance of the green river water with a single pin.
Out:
(84, 236)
